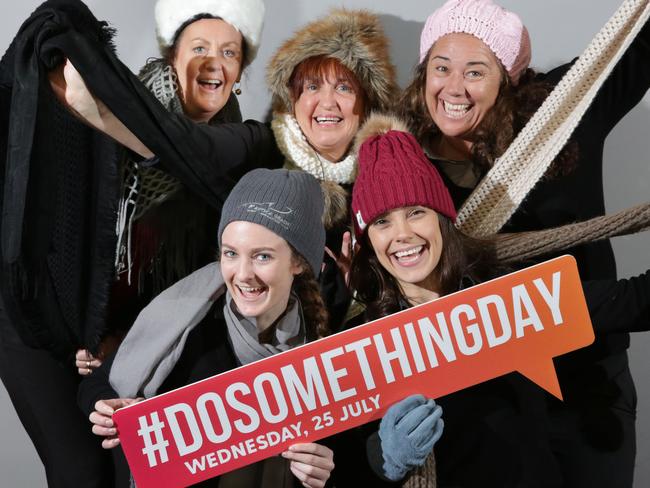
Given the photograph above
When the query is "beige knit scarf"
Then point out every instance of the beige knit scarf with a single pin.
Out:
(511, 178)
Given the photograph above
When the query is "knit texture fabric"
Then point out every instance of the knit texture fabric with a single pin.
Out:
(424, 476)
(527, 245)
(394, 172)
(502, 31)
(546, 133)
(288, 203)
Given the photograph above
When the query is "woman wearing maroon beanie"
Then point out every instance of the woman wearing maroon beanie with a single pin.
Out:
(409, 252)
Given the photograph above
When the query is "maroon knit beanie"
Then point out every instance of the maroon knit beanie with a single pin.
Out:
(394, 173)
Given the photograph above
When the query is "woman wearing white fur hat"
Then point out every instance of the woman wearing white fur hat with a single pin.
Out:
(166, 225)
(165, 230)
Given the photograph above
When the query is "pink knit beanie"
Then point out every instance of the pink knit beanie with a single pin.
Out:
(502, 31)
(394, 172)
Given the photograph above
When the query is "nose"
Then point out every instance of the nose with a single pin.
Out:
(212, 64)
(455, 85)
(244, 270)
(403, 232)
(327, 97)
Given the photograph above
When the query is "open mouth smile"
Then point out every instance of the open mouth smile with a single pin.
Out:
(456, 110)
(327, 120)
(210, 84)
(408, 257)
(251, 292)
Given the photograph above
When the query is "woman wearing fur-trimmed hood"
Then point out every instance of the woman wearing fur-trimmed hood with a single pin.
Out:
(325, 80)
(349, 49)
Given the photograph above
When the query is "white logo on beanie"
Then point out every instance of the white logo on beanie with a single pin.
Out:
(362, 224)
(268, 210)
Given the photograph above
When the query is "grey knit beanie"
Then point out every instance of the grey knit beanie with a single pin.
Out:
(288, 203)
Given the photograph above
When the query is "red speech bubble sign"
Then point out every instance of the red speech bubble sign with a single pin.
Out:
(518, 322)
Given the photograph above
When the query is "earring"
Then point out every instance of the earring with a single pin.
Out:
(237, 89)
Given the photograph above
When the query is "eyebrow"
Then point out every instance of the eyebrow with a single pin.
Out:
(255, 250)
(469, 63)
(202, 39)
(264, 249)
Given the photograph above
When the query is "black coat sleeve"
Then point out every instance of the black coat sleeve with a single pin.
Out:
(619, 306)
(95, 387)
(626, 85)
(357, 458)
(207, 159)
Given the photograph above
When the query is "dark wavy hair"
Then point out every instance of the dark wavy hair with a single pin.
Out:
(514, 107)
(464, 260)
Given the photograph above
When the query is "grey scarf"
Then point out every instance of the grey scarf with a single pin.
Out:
(289, 332)
(154, 344)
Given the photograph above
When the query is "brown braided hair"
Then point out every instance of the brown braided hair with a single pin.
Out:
(514, 107)
(306, 287)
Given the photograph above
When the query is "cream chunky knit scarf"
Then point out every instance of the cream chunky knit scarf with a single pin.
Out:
(299, 154)
(514, 174)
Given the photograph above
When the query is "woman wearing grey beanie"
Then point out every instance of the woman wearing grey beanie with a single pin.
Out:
(260, 298)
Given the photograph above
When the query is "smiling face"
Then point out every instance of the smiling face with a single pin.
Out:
(258, 268)
(329, 108)
(463, 79)
(408, 244)
(208, 61)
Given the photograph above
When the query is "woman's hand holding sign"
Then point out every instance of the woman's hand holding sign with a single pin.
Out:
(311, 463)
(102, 419)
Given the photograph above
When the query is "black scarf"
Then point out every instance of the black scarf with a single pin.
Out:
(60, 180)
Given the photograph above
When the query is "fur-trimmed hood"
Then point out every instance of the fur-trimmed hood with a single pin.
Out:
(354, 37)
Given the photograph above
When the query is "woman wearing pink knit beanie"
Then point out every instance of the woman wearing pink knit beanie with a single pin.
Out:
(471, 95)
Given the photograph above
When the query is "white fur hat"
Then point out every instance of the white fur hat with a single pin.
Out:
(247, 16)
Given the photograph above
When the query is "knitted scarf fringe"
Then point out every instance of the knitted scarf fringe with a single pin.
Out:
(525, 245)
(505, 186)
(425, 476)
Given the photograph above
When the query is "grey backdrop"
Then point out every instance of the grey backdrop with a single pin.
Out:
(559, 30)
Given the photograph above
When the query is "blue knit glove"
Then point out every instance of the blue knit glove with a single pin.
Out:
(408, 432)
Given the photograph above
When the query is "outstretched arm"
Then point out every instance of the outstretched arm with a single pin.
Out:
(619, 305)
(71, 90)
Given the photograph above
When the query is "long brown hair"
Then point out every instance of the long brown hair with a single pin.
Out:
(514, 107)
(463, 259)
